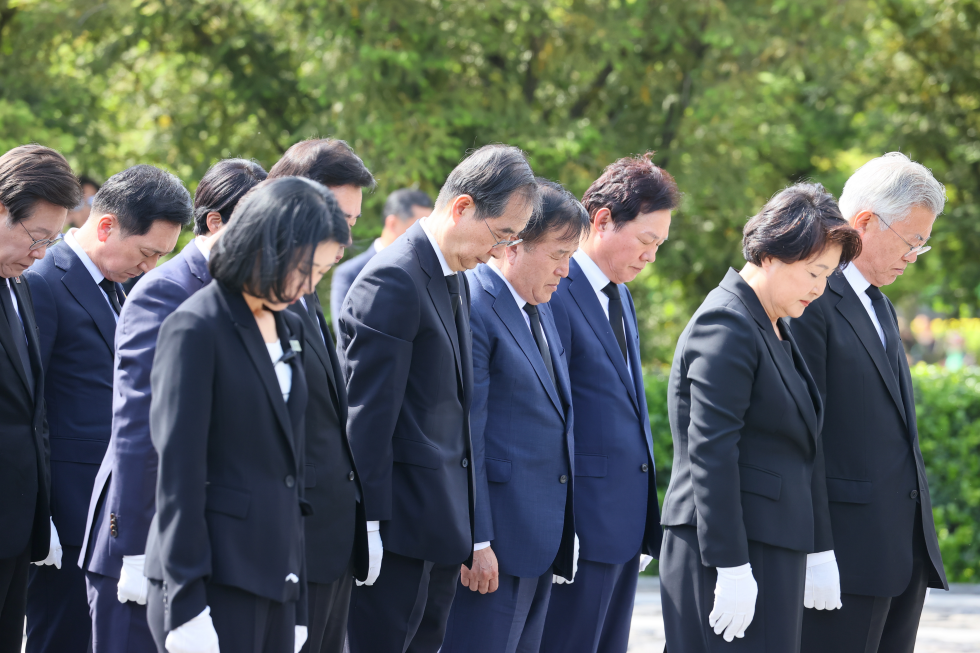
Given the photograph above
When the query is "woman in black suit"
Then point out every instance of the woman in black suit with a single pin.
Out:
(747, 500)
(225, 554)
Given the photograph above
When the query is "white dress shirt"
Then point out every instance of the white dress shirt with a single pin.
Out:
(492, 264)
(205, 251)
(92, 268)
(598, 280)
(378, 245)
(860, 285)
(284, 372)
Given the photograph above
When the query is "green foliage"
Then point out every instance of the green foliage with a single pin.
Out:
(948, 411)
(948, 414)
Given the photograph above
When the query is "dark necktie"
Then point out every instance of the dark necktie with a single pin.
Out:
(453, 282)
(110, 290)
(616, 315)
(885, 320)
(18, 333)
(539, 340)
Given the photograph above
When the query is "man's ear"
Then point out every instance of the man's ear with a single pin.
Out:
(214, 222)
(603, 220)
(106, 225)
(861, 221)
(459, 206)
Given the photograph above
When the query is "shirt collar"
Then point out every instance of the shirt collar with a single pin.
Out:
(446, 270)
(492, 264)
(378, 245)
(856, 279)
(597, 278)
(92, 268)
(205, 251)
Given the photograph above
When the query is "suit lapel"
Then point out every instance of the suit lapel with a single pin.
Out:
(561, 373)
(197, 265)
(854, 312)
(30, 326)
(437, 288)
(334, 370)
(86, 292)
(584, 295)
(506, 309)
(248, 331)
(314, 341)
(7, 343)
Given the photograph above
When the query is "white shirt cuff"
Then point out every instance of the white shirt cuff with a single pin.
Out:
(735, 572)
(814, 559)
(373, 526)
(479, 546)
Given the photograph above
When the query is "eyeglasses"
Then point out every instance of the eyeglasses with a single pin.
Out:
(38, 244)
(918, 250)
(499, 242)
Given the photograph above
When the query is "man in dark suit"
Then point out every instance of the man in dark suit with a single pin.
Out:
(336, 535)
(402, 209)
(884, 538)
(522, 433)
(616, 512)
(405, 336)
(37, 188)
(136, 218)
(123, 502)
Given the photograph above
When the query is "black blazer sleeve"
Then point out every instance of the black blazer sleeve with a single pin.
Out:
(182, 381)
(379, 322)
(721, 355)
(810, 333)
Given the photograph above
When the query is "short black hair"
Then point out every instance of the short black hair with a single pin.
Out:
(327, 160)
(85, 180)
(274, 229)
(401, 201)
(491, 176)
(629, 187)
(221, 187)
(558, 211)
(142, 195)
(798, 223)
(33, 173)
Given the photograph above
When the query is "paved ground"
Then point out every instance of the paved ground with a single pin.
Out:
(950, 622)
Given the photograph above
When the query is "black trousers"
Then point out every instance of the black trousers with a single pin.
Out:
(328, 604)
(406, 610)
(687, 595)
(13, 600)
(873, 624)
(58, 619)
(245, 622)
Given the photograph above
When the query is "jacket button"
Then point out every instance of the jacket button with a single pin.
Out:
(290, 481)
(914, 494)
(465, 463)
(350, 477)
(563, 479)
(644, 467)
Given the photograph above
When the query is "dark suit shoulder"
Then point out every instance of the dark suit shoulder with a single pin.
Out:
(722, 326)
(349, 269)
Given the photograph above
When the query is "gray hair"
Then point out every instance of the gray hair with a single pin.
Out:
(401, 201)
(890, 186)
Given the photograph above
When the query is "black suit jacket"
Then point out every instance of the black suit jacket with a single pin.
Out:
(876, 479)
(745, 417)
(336, 530)
(25, 472)
(409, 384)
(230, 475)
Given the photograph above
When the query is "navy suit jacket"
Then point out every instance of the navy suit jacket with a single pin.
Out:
(616, 510)
(231, 458)
(77, 332)
(409, 371)
(522, 433)
(126, 483)
(343, 278)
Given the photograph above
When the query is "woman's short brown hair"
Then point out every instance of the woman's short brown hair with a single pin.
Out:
(798, 223)
(30, 173)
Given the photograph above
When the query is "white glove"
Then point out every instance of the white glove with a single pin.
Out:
(822, 588)
(54, 551)
(195, 636)
(735, 594)
(301, 635)
(375, 553)
(645, 561)
(132, 584)
(555, 578)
